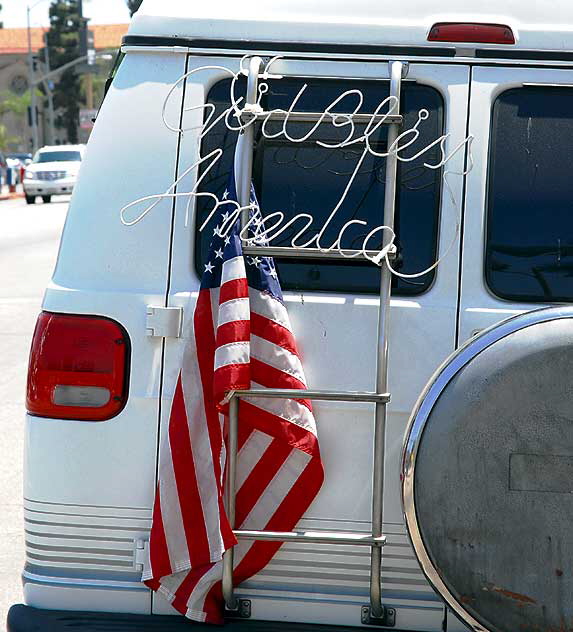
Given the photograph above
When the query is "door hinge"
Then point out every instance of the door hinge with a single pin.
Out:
(140, 553)
(164, 322)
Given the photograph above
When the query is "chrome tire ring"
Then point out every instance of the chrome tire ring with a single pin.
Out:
(459, 520)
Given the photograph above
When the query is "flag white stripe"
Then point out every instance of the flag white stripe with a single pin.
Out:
(269, 307)
(170, 584)
(171, 514)
(203, 460)
(274, 494)
(232, 353)
(287, 409)
(235, 309)
(214, 296)
(250, 453)
(196, 601)
(233, 269)
(276, 356)
(223, 455)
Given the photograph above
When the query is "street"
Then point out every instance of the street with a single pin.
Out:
(29, 238)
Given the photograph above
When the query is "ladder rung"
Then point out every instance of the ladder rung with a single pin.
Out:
(309, 117)
(285, 252)
(317, 537)
(295, 393)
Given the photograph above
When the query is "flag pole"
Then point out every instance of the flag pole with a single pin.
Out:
(243, 176)
(246, 140)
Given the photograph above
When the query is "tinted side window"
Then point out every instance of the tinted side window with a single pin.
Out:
(529, 244)
(305, 177)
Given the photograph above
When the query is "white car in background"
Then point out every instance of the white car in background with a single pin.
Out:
(53, 171)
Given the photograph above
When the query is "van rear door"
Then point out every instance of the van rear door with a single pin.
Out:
(334, 313)
(518, 245)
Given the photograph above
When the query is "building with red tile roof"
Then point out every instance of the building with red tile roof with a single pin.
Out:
(15, 41)
(14, 78)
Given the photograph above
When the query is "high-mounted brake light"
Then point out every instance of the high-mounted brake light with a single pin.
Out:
(471, 32)
(78, 368)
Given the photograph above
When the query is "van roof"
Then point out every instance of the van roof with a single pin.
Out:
(537, 26)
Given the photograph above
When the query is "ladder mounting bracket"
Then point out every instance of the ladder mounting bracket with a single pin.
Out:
(242, 611)
(388, 618)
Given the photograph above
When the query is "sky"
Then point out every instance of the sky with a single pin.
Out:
(13, 12)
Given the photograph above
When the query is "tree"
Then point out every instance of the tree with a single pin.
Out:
(6, 141)
(63, 44)
(133, 5)
(10, 102)
(1, 23)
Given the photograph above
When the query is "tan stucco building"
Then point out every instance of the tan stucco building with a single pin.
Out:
(14, 73)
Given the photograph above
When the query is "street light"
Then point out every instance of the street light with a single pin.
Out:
(48, 76)
(33, 117)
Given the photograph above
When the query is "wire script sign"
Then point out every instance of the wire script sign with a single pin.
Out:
(351, 129)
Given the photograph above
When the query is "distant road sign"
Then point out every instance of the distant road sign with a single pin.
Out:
(87, 118)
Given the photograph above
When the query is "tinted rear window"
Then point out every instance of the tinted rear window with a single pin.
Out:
(305, 177)
(529, 247)
(58, 156)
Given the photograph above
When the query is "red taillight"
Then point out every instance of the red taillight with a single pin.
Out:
(78, 368)
(471, 32)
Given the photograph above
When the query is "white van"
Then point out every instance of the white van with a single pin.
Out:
(497, 216)
(53, 171)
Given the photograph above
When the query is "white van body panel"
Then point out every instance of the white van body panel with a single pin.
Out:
(94, 490)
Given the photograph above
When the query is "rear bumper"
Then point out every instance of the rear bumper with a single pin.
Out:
(27, 619)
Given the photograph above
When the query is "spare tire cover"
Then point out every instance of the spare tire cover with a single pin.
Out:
(487, 476)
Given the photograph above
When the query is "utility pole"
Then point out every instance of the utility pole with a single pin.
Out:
(89, 91)
(48, 85)
(86, 48)
(33, 113)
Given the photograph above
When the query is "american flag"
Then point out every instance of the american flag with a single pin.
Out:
(241, 338)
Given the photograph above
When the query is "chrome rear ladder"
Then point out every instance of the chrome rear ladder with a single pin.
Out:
(375, 613)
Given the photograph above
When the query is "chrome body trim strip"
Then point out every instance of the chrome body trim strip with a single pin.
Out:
(79, 582)
(358, 57)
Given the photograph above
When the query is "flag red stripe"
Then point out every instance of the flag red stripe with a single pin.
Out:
(205, 337)
(186, 587)
(273, 332)
(244, 432)
(271, 377)
(237, 288)
(296, 436)
(266, 375)
(186, 481)
(159, 554)
(232, 377)
(285, 518)
(259, 478)
(235, 331)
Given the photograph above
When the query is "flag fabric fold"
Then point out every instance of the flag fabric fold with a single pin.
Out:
(241, 338)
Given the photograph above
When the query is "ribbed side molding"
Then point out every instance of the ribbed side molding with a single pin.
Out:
(76, 538)
(341, 572)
